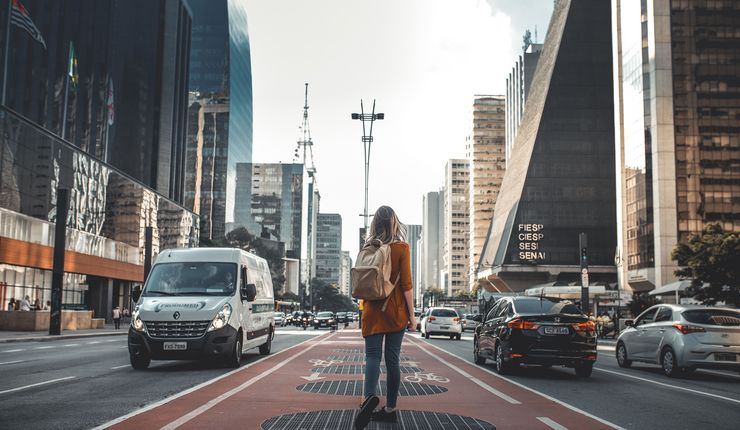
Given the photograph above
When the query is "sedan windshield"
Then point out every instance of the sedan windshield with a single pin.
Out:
(546, 306)
(324, 314)
(191, 279)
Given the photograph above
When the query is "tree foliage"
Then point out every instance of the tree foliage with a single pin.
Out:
(712, 258)
(327, 297)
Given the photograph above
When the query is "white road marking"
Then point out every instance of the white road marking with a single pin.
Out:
(14, 350)
(560, 402)
(37, 384)
(44, 347)
(71, 344)
(120, 367)
(196, 388)
(606, 348)
(552, 424)
(11, 362)
(213, 402)
(675, 387)
(93, 342)
(473, 378)
(301, 332)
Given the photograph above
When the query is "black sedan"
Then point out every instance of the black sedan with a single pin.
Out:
(342, 317)
(323, 319)
(536, 330)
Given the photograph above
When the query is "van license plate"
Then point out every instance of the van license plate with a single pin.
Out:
(556, 330)
(175, 346)
(724, 356)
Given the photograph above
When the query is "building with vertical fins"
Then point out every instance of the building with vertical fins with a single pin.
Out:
(219, 137)
(456, 226)
(560, 178)
(677, 83)
(517, 89)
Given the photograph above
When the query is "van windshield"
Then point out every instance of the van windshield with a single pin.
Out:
(191, 279)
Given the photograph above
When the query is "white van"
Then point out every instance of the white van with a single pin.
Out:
(212, 303)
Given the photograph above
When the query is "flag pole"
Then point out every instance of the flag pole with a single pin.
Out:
(66, 93)
(5, 52)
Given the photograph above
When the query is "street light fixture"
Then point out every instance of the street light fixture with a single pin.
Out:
(367, 140)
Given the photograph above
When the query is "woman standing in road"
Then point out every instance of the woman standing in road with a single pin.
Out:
(379, 325)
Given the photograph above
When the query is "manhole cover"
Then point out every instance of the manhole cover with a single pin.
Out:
(352, 369)
(353, 358)
(354, 388)
(343, 419)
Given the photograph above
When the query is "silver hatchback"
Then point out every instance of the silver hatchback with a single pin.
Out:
(682, 338)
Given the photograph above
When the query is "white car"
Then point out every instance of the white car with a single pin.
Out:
(279, 318)
(682, 338)
(441, 321)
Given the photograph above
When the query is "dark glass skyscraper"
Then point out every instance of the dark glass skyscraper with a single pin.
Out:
(220, 73)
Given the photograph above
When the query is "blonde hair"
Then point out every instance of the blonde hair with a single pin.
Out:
(385, 226)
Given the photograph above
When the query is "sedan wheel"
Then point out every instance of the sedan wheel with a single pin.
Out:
(501, 367)
(622, 360)
(668, 361)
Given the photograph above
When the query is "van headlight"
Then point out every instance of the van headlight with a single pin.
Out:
(221, 318)
(136, 321)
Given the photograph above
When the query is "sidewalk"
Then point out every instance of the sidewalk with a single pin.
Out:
(42, 336)
(317, 384)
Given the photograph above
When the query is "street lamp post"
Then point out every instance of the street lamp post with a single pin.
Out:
(367, 140)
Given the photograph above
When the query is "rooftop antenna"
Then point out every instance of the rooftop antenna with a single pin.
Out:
(535, 34)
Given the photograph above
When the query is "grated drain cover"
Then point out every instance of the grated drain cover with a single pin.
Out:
(354, 388)
(355, 350)
(344, 419)
(353, 369)
(353, 358)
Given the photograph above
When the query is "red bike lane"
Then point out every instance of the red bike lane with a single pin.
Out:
(317, 384)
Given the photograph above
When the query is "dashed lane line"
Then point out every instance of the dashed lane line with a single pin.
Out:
(44, 347)
(70, 345)
(12, 390)
(120, 367)
(674, 387)
(11, 362)
(14, 350)
(539, 393)
(552, 424)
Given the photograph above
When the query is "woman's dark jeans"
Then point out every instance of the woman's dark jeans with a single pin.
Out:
(373, 354)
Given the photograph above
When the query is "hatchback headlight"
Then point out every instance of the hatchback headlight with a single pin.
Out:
(136, 321)
(221, 318)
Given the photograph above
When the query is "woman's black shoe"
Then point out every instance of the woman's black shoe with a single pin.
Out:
(384, 416)
(366, 412)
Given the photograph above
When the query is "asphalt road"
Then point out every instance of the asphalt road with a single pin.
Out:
(81, 383)
(637, 398)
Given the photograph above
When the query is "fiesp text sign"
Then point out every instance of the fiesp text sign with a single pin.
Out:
(529, 236)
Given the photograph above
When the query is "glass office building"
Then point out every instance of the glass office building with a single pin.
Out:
(560, 181)
(676, 76)
(89, 106)
(329, 248)
(220, 73)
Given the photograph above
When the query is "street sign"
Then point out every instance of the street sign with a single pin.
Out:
(584, 278)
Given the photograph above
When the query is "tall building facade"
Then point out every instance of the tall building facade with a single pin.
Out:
(85, 108)
(432, 240)
(413, 237)
(456, 226)
(559, 180)
(517, 89)
(345, 278)
(269, 198)
(487, 155)
(220, 74)
(329, 248)
(677, 129)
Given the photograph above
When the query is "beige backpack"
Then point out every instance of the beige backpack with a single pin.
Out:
(371, 276)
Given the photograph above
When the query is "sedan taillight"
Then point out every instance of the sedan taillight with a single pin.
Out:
(585, 326)
(431, 319)
(522, 324)
(688, 329)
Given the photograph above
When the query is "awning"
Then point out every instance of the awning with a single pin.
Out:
(672, 288)
(565, 292)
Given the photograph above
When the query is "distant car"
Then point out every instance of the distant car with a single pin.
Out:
(279, 318)
(341, 317)
(682, 338)
(470, 321)
(323, 319)
(441, 321)
(417, 315)
(297, 318)
(536, 330)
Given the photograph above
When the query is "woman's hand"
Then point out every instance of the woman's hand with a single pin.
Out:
(412, 324)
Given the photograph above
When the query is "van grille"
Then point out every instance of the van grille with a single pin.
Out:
(176, 329)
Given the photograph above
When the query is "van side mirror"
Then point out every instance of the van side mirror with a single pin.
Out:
(629, 323)
(249, 292)
(136, 293)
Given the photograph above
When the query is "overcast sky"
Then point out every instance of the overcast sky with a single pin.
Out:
(422, 60)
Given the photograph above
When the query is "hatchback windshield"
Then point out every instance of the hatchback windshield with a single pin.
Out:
(191, 279)
(444, 313)
(536, 305)
(323, 314)
(713, 317)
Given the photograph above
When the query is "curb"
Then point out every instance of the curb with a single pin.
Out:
(49, 338)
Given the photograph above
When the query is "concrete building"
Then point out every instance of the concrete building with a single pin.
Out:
(329, 248)
(517, 89)
(269, 200)
(487, 156)
(219, 136)
(413, 237)
(560, 179)
(677, 129)
(432, 240)
(344, 283)
(455, 258)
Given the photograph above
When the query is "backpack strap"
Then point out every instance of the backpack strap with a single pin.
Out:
(395, 284)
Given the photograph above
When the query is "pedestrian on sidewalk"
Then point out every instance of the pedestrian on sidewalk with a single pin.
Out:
(26, 303)
(117, 317)
(11, 304)
(385, 322)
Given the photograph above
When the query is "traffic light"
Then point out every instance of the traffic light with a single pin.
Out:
(583, 244)
(584, 257)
